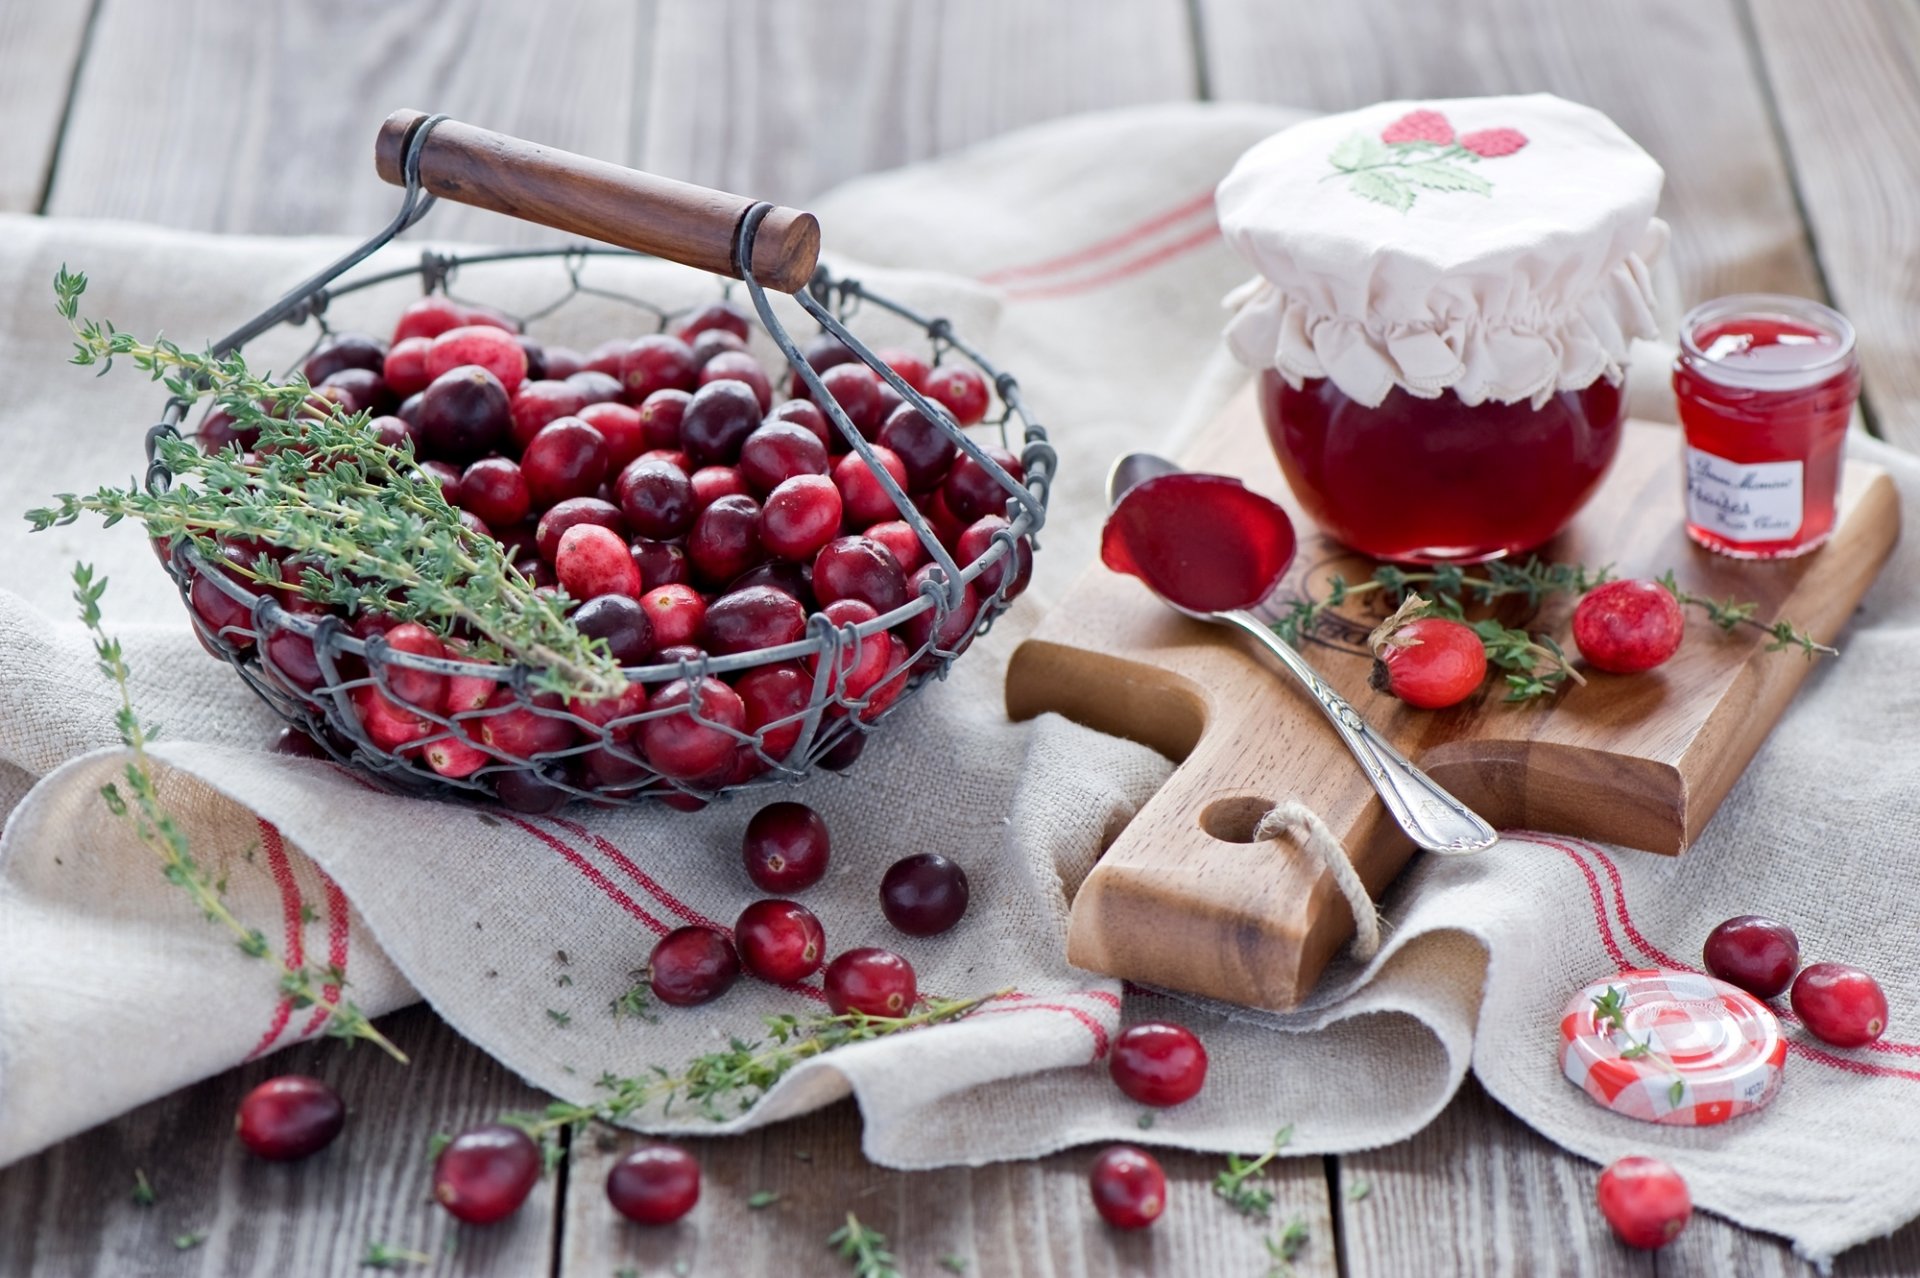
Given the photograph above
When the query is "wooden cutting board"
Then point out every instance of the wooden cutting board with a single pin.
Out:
(1183, 899)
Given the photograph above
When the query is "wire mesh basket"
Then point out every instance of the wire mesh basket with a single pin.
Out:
(692, 724)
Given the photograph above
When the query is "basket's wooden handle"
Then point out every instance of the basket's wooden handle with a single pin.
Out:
(694, 225)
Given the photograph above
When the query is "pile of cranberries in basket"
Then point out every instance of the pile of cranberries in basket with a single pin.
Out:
(689, 503)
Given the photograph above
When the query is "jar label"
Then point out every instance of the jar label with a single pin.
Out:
(1744, 501)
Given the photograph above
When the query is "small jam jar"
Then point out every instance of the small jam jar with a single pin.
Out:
(1766, 387)
(1446, 296)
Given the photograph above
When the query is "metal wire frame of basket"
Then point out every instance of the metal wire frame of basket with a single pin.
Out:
(827, 691)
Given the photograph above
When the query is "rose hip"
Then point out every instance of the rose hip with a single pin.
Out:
(537, 403)
(756, 617)
(494, 489)
(924, 894)
(289, 1117)
(717, 422)
(786, 848)
(960, 390)
(1757, 954)
(1645, 1202)
(568, 458)
(802, 514)
(972, 491)
(725, 540)
(780, 941)
(1839, 1004)
(491, 348)
(572, 513)
(738, 366)
(1129, 1189)
(1625, 627)
(592, 560)
(619, 428)
(1430, 662)
(692, 965)
(677, 612)
(655, 362)
(654, 1185)
(484, 1174)
(859, 568)
(871, 981)
(1158, 1063)
(683, 747)
(657, 498)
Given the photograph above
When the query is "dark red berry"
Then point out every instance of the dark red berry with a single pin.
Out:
(418, 689)
(913, 370)
(561, 362)
(657, 499)
(1758, 955)
(1129, 1189)
(778, 451)
(923, 447)
(725, 540)
(1429, 662)
(711, 483)
(855, 388)
(722, 316)
(494, 489)
(1645, 1201)
(802, 514)
(806, 413)
(692, 965)
(428, 318)
(712, 342)
(568, 458)
(717, 422)
(654, 1185)
(656, 362)
(946, 629)
(660, 416)
(464, 415)
(290, 1117)
(902, 542)
(621, 622)
(960, 390)
(532, 792)
(685, 747)
(738, 366)
(866, 500)
(924, 894)
(862, 661)
(871, 981)
(597, 386)
(484, 1174)
(677, 612)
(980, 537)
(571, 513)
(776, 698)
(523, 730)
(859, 568)
(754, 617)
(1625, 627)
(592, 560)
(823, 351)
(341, 352)
(786, 848)
(780, 941)
(537, 403)
(661, 563)
(972, 491)
(1839, 1004)
(1158, 1063)
(619, 426)
(481, 346)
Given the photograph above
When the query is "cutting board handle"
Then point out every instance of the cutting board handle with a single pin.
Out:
(692, 225)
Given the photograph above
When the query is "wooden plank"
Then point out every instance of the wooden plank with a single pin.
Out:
(1844, 85)
(1027, 1218)
(781, 101)
(1676, 77)
(203, 115)
(69, 1211)
(40, 46)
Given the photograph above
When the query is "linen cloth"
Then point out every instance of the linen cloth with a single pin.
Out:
(1085, 256)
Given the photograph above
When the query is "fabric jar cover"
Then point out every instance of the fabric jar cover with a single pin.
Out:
(1495, 247)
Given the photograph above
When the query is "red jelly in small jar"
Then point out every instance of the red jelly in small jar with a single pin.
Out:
(1438, 480)
(1766, 387)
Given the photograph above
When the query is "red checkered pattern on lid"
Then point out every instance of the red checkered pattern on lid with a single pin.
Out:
(1712, 1051)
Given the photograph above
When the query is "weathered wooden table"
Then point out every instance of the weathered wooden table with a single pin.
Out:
(1791, 137)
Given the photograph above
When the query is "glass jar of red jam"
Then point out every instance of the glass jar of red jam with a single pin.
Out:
(1766, 387)
(1437, 480)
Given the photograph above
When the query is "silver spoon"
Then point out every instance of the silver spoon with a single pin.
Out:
(1432, 818)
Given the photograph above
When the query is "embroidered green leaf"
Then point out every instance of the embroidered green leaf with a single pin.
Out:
(1359, 151)
(1383, 188)
(1436, 176)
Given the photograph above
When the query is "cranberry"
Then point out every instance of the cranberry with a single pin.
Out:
(1158, 1063)
(972, 490)
(487, 317)
(296, 744)
(537, 403)
(217, 431)
(452, 757)
(692, 965)
(844, 753)
(859, 568)
(856, 389)
(562, 362)
(712, 342)
(656, 362)
(445, 476)
(977, 540)
(491, 348)
(597, 386)
(780, 941)
(912, 369)
(660, 417)
(484, 1174)
(722, 316)
(228, 618)
(391, 431)
(802, 514)
(464, 415)
(344, 351)
(467, 692)
(428, 318)
(572, 513)
(605, 358)
(1645, 1201)
(738, 366)
(687, 748)
(865, 499)
(924, 894)
(947, 527)
(654, 1185)
(717, 421)
(711, 483)
(924, 448)
(786, 848)
(821, 352)
(940, 630)
(725, 540)
(756, 617)
(1839, 1004)
(1129, 1189)
(1758, 955)
(632, 700)
(619, 620)
(592, 560)
(794, 580)
(420, 690)
(355, 390)
(409, 412)
(532, 792)
(882, 697)
(862, 662)
(775, 694)
(1625, 627)
(290, 1117)
(1429, 662)
(566, 459)
(391, 727)
(802, 412)
(522, 730)
(661, 563)
(536, 357)
(901, 541)
(778, 451)
(657, 498)
(494, 489)
(676, 611)
(619, 429)
(960, 390)
(873, 982)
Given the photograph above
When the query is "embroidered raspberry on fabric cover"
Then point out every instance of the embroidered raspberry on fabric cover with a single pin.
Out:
(1490, 143)
(1419, 126)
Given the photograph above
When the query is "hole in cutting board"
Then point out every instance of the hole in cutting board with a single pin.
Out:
(1232, 820)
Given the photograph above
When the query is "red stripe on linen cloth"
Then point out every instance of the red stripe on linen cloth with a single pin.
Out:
(592, 874)
(1101, 248)
(1166, 252)
(639, 876)
(282, 871)
(338, 929)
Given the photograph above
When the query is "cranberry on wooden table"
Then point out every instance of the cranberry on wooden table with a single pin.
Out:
(924, 894)
(1757, 954)
(1645, 1202)
(1129, 1188)
(692, 965)
(289, 1117)
(654, 1185)
(483, 1175)
(872, 981)
(780, 941)
(1626, 627)
(1839, 1004)
(1158, 1063)
(786, 848)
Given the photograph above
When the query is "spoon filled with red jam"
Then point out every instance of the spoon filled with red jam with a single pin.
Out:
(1214, 550)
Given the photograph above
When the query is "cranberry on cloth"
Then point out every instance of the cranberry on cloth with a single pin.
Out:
(113, 990)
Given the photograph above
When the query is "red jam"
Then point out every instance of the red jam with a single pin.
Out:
(1436, 480)
(1202, 542)
(1766, 387)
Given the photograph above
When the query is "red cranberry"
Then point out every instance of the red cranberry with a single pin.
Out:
(561, 362)
(960, 390)
(661, 563)
(911, 367)
(341, 352)
(977, 540)
(487, 317)
(806, 413)
(1437, 662)
(622, 622)
(296, 744)
(738, 366)
(405, 368)
(714, 342)
(822, 352)
(230, 619)
(873, 982)
(535, 793)
(494, 489)
(290, 1117)
(428, 318)
(464, 415)
(677, 612)
(844, 753)
(935, 633)
(794, 580)
(882, 697)
(725, 540)
(452, 757)
(421, 690)
(657, 498)
(756, 617)
(605, 358)
(572, 513)
(924, 894)
(632, 700)
(390, 726)
(780, 941)
(901, 541)
(592, 560)
(802, 514)
(786, 848)
(692, 965)
(656, 362)
(1645, 1201)
(1758, 955)
(481, 345)
(217, 431)
(865, 500)
(683, 747)
(619, 428)
(859, 568)
(925, 450)
(775, 694)
(521, 730)
(566, 459)
(889, 399)
(356, 390)
(862, 662)
(596, 385)
(1625, 627)
(391, 431)
(855, 388)
(1158, 1063)
(711, 483)
(971, 489)
(536, 357)
(660, 417)
(1839, 1004)
(722, 316)
(484, 1174)
(946, 525)
(717, 421)
(778, 451)
(537, 403)
(654, 1185)
(1129, 1189)
(470, 691)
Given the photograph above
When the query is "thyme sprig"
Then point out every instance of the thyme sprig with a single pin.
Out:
(1534, 581)
(368, 529)
(1286, 1248)
(380, 1256)
(1231, 1184)
(865, 1249)
(1730, 614)
(1610, 1013)
(140, 806)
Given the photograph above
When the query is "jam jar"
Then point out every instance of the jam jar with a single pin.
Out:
(1441, 321)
